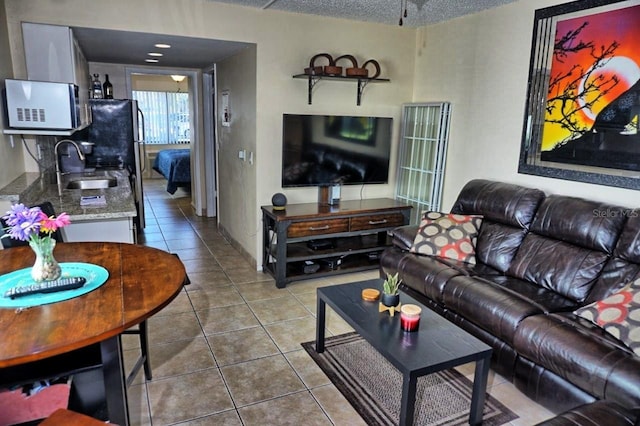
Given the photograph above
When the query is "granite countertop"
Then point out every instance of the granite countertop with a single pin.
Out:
(34, 188)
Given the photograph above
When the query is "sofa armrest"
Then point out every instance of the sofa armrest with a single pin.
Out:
(403, 236)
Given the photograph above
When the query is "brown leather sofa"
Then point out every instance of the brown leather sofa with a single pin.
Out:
(538, 259)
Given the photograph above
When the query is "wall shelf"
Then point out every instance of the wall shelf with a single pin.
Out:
(361, 83)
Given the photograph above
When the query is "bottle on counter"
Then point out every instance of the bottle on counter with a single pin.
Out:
(107, 88)
(97, 87)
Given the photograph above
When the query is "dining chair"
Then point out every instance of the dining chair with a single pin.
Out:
(143, 360)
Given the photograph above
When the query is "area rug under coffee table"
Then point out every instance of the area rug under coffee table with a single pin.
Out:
(373, 387)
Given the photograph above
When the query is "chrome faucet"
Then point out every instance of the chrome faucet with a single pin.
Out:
(58, 171)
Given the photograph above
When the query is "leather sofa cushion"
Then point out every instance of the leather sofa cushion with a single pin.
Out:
(628, 247)
(547, 300)
(596, 413)
(583, 223)
(583, 354)
(497, 244)
(507, 212)
(562, 267)
(499, 202)
(403, 236)
(547, 388)
(425, 274)
(568, 245)
(616, 274)
(491, 307)
(624, 266)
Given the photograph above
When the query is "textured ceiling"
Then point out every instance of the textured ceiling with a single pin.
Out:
(419, 12)
(126, 47)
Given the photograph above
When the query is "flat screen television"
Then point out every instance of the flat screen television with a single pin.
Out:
(320, 150)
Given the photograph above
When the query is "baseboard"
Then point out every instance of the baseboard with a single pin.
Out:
(245, 254)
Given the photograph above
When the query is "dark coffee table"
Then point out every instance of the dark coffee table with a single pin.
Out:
(437, 345)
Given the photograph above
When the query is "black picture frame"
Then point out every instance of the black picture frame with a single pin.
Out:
(586, 154)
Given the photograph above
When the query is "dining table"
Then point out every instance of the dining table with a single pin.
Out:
(138, 281)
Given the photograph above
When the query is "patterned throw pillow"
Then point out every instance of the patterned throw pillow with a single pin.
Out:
(618, 314)
(448, 235)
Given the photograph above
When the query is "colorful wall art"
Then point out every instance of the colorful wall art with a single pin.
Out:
(583, 110)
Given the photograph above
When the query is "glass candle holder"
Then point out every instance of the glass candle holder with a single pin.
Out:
(410, 317)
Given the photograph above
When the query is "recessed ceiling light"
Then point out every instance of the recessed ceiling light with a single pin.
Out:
(162, 46)
(154, 54)
(151, 60)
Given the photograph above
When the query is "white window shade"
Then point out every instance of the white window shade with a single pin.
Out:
(166, 116)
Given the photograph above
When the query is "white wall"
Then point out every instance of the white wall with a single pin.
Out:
(237, 209)
(482, 69)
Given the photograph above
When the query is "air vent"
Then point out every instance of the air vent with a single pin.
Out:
(31, 114)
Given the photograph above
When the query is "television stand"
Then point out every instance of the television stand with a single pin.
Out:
(357, 229)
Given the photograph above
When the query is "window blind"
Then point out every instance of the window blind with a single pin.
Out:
(166, 116)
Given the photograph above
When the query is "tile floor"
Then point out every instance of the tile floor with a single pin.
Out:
(227, 350)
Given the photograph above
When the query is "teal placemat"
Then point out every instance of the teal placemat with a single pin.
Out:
(94, 274)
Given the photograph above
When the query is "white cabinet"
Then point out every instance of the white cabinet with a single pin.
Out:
(112, 230)
(52, 54)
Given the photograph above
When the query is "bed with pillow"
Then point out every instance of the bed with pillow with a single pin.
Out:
(551, 282)
(175, 166)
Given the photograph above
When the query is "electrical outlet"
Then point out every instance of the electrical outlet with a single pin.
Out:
(242, 154)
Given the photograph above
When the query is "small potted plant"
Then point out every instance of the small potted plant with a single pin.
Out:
(390, 295)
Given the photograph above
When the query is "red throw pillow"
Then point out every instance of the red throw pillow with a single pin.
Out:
(618, 314)
(452, 236)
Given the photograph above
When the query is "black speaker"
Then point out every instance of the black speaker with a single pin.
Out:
(279, 201)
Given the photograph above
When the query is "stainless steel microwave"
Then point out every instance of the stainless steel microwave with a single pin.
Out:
(43, 105)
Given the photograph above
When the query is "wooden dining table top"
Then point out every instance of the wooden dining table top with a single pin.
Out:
(142, 280)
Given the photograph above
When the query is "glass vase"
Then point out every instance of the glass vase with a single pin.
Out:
(46, 268)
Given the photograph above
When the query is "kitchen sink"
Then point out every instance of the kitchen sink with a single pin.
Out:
(92, 183)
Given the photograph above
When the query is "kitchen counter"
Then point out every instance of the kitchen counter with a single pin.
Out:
(31, 188)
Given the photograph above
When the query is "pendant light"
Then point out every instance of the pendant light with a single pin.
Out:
(403, 11)
(178, 79)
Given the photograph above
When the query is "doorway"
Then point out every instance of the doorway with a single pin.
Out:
(196, 144)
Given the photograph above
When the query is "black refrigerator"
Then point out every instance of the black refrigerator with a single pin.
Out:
(116, 132)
